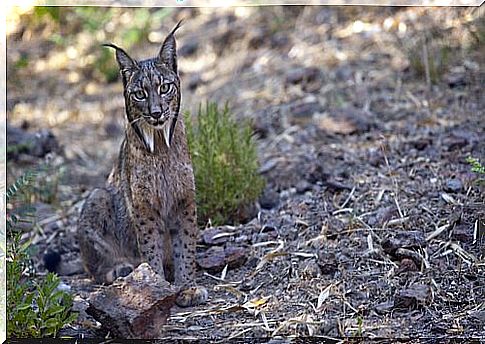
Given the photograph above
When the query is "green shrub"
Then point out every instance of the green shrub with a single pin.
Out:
(477, 167)
(35, 306)
(225, 164)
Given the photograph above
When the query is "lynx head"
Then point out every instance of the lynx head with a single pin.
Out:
(152, 92)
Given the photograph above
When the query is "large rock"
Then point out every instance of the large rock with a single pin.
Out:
(135, 306)
(36, 144)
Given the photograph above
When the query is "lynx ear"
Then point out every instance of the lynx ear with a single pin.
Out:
(168, 52)
(125, 62)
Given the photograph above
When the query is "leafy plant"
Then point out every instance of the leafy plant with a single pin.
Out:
(225, 164)
(34, 308)
(477, 167)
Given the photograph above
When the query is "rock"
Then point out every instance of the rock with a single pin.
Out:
(414, 296)
(216, 258)
(327, 263)
(135, 306)
(421, 143)
(456, 79)
(269, 199)
(384, 307)
(257, 37)
(268, 165)
(344, 73)
(375, 157)
(303, 75)
(346, 121)
(406, 266)
(217, 235)
(336, 186)
(463, 233)
(36, 144)
(70, 267)
(383, 215)
(454, 185)
(405, 239)
(459, 138)
(302, 112)
(311, 270)
(245, 213)
(303, 186)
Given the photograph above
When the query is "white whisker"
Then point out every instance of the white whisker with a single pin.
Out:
(136, 120)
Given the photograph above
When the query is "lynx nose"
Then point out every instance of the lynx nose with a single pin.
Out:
(156, 115)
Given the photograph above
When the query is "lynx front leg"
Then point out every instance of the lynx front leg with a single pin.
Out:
(184, 234)
(151, 235)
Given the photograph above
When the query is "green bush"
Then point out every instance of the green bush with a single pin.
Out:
(225, 164)
(35, 306)
(477, 167)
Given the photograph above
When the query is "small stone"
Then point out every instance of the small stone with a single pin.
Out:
(216, 258)
(383, 215)
(257, 38)
(268, 165)
(375, 157)
(303, 186)
(305, 75)
(456, 79)
(311, 270)
(343, 73)
(216, 235)
(454, 185)
(269, 199)
(302, 113)
(136, 306)
(414, 296)
(463, 233)
(404, 239)
(406, 266)
(384, 307)
(346, 121)
(421, 143)
(327, 263)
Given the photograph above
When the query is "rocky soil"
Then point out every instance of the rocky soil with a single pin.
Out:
(366, 226)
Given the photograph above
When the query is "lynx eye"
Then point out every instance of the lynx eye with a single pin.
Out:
(139, 95)
(164, 88)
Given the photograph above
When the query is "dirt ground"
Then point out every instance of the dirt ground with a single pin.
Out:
(366, 226)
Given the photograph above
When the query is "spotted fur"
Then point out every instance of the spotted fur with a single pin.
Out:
(146, 211)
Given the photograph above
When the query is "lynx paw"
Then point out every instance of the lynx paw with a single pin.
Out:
(120, 270)
(192, 296)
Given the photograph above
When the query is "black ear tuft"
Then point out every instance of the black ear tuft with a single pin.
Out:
(168, 52)
(125, 62)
